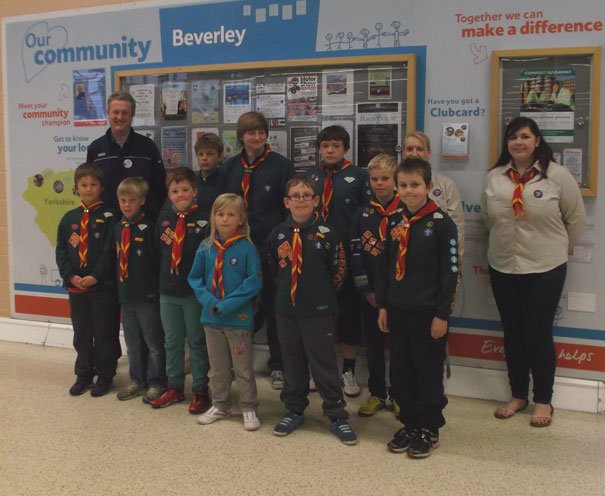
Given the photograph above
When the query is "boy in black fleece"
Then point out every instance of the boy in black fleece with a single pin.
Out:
(415, 286)
(85, 263)
(308, 259)
(138, 291)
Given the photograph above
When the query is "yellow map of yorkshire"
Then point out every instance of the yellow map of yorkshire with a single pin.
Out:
(51, 194)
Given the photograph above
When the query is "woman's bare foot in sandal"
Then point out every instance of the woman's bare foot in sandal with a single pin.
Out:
(542, 416)
(510, 408)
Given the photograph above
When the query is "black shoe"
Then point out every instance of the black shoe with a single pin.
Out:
(80, 386)
(424, 444)
(101, 387)
(402, 440)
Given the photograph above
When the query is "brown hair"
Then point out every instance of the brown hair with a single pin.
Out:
(304, 180)
(180, 174)
(88, 169)
(251, 121)
(209, 140)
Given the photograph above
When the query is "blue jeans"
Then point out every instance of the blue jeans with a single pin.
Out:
(144, 337)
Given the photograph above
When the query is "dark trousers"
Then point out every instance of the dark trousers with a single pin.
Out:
(144, 336)
(267, 301)
(417, 368)
(95, 317)
(376, 342)
(349, 316)
(309, 342)
(527, 304)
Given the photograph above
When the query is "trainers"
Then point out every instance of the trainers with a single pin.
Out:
(131, 391)
(396, 408)
(423, 444)
(212, 415)
(343, 431)
(80, 386)
(153, 393)
(101, 387)
(290, 422)
(350, 385)
(277, 379)
(167, 398)
(402, 440)
(251, 421)
(371, 406)
(199, 402)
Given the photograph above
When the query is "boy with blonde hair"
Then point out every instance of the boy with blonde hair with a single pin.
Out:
(367, 241)
(138, 292)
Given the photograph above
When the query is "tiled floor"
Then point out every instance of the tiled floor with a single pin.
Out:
(53, 444)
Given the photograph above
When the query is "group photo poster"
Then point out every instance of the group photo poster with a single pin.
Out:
(548, 97)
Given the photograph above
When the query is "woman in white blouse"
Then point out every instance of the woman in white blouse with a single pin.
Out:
(535, 214)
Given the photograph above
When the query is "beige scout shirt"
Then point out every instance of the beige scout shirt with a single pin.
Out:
(446, 195)
(555, 219)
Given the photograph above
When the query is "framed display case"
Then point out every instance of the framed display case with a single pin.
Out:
(560, 89)
(373, 97)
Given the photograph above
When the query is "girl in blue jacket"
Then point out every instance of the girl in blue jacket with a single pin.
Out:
(226, 276)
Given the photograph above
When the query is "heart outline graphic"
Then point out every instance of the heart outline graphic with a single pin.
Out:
(39, 30)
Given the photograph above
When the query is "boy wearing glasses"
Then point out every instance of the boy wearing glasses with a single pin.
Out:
(308, 260)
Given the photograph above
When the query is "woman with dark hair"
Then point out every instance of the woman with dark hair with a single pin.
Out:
(534, 213)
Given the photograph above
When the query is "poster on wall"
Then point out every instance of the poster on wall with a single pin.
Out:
(144, 95)
(379, 83)
(174, 146)
(173, 104)
(205, 102)
(89, 97)
(378, 130)
(271, 101)
(231, 145)
(548, 97)
(337, 92)
(302, 98)
(197, 133)
(278, 141)
(454, 140)
(236, 100)
(303, 147)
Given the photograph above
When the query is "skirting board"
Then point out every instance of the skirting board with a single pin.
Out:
(471, 382)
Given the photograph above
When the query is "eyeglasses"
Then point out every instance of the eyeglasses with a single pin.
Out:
(300, 197)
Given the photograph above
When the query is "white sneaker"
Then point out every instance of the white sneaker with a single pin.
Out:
(277, 379)
(212, 415)
(251, 421)
(350, 385)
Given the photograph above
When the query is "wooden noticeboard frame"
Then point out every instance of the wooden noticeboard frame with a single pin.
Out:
(402, 88)
(524, 82)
